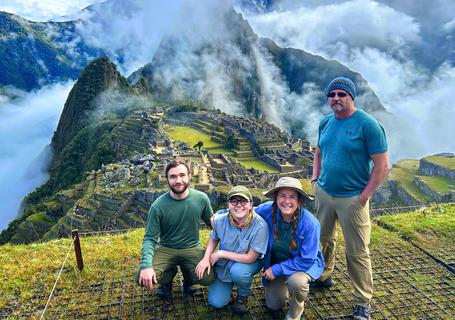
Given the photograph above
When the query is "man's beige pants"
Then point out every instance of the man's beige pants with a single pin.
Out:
(294, 289)
(355, 223)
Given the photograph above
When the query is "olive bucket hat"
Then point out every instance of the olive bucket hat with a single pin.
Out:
(288, 183)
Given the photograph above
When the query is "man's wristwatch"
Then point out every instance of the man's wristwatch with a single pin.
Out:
(314, 180)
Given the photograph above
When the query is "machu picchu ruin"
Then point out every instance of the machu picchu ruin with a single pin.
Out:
(222, 150)
(118, 195)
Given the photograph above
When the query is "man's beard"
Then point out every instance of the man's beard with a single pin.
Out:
(185, 185)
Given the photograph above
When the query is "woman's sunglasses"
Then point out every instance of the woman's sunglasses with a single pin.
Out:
(340, 94)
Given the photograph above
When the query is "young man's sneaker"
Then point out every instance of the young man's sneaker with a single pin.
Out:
(189, 288)
(240, 305)
(327, 283)
(164, 291)
(361, 313)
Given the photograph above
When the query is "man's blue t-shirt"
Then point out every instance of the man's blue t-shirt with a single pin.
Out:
(346, 145)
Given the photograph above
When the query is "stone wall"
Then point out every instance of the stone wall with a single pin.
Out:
(407, 198)
(432, 169)
(433, 194)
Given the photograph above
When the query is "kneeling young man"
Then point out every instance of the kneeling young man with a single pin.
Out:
(242, 235)
(172, 235)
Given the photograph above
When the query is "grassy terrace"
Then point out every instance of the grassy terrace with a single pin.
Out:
(431, 227)
(446, 162)
(257, 164)
(193, 136)
(403, 172)
(439, 183)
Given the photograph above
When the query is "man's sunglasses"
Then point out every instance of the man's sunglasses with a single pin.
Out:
(340, 94)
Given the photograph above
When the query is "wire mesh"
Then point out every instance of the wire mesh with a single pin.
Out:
(408, 285)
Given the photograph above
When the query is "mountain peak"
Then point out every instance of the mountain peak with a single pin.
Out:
(99, 75)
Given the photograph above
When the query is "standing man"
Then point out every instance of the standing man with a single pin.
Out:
(172, 234)
(350, 162)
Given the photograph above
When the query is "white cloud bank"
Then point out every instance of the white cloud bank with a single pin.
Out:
(44, 10)
(26, 125)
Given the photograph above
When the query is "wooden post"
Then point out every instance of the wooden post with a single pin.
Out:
(77, 249)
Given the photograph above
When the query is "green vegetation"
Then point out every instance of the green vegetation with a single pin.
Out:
(445, 162)
(403, 173)
(187, 106)
(231, 143)
(198, 145)
(191, 136)
(219, 150)
(306, 185)
(439, 183)
(30, 268)
(253, 162)
(432, 226)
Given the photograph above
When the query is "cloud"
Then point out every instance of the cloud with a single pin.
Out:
(321, 29)
(422, 122)
(44, 10)
(284, 108)
(26, 125)
(131, 31)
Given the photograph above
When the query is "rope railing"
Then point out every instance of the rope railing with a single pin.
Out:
(56, 280)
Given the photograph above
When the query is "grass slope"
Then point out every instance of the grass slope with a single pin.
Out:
(445, 162)
(430, 227)
(403, 173)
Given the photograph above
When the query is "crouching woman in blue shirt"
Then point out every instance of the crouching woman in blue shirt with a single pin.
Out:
(293, 256)
(242, 235)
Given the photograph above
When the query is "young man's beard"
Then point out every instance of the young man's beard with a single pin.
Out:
(185, 185)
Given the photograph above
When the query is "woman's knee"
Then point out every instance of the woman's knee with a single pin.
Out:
(217, 301)
(274, 302)
(299, 282)
(241, 272)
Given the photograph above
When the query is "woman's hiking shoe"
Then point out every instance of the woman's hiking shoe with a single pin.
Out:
(240, 305)
(327, 283)
(361, 313)
(164, 291)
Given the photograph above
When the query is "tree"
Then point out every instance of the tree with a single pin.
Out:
(198, 146)
(231, 142)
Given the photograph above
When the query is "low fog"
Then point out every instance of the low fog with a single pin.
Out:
(26, 127)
